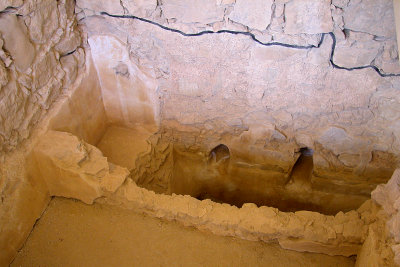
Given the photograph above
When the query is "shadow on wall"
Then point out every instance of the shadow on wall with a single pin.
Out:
(221, 178)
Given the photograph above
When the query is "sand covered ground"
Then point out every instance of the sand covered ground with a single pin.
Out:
(71, 233)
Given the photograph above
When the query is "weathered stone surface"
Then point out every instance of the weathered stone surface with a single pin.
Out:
(340, 3)
(350, 160)
(15, 37)
(386, 195)
(202, 11)
(142, 8)
(253, 14)
(30, 30)
(3, 75)
(387, 108)
(396, 251)
(369, 17)
(365, 45)
(74, 169)
(72, 115)
(249, 78)
(388, 60)
(112, 7)
(42, 21)
(214, 88)
(10, 3)
(301, 231)
(381, 247)
(22, 201)
(112, 61)
(337, 140)
(34, 72)
(375, 251)
(69, 43)
(308, 16)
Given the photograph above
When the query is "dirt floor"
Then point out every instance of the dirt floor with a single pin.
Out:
(71, 233)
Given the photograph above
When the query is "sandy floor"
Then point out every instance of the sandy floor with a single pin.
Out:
(71, 233)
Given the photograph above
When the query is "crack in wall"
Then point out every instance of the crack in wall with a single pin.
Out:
(254, 38)
(69, 53)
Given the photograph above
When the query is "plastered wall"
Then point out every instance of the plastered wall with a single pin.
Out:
(47, 82)
(300, 73)
(396, 5)
(265, 78)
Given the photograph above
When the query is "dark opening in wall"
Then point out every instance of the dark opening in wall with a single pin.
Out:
(219, 153)
(300, 176)
(225, 177)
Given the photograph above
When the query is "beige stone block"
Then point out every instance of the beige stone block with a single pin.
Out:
(10, 3)
(42, 21)
(142, 8)
(201, 11)
(308, 16)
(253, 14)
(74, 169)
(112, 7)
(370, 16)
(357, 50)
(16, 41)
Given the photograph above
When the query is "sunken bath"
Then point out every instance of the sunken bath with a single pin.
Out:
(267, 121)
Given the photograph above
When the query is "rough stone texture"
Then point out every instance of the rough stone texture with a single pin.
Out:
(367, 50)
(388, 196)
(202, 11)
(24, 196)
(381, 247)
(376, 249)
(142, 8)
(10, 3)
(308, 16)
(35, 37)
(264, 102)
(14, 33)
(239, 93)
(72, 168)
(302, 231)
(396, 6)
(366, 16)
(112, 7)
(253, 14)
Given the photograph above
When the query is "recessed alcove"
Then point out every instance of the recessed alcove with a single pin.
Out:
(218, 175)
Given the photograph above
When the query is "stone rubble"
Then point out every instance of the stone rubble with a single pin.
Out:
(342, 234)
(74, 169)
(388, 196)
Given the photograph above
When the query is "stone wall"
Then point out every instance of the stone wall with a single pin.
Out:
(41, 55)
(47, 82)
(24, 193)
(72, 168)
(300, 73)
(382, 245)
(83, 113)
(396, 5)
